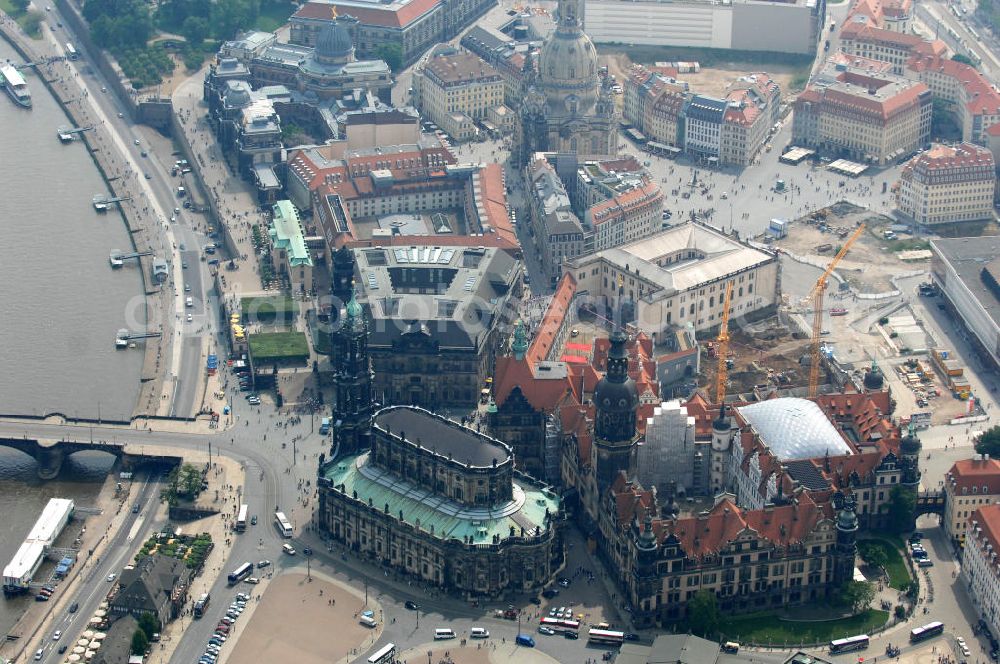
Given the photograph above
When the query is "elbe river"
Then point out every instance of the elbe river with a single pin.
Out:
(60, 306)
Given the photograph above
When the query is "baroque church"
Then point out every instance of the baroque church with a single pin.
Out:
(568, 106)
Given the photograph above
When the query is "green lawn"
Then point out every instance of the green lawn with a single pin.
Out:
(899, 575)
(767, 628)
(273, 15)
(268, 308)
(268, 346)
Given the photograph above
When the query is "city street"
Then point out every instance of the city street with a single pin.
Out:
(133, 529)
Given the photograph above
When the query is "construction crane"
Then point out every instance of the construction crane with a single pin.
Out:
(817, 295)
(722, 349)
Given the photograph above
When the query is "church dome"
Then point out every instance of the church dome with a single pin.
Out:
(334, 43)
(237, 95)
(568, 62)
(613, 396)
(910, 445)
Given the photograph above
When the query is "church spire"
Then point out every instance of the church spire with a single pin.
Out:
(568, 15)
(520, 345)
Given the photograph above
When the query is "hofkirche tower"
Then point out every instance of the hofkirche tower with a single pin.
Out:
(354, 394)
(616, 400)
(567, 108)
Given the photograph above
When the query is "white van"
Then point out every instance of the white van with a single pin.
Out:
(287, 548)
(368, 621)
(479, 633)
(189, 302)
(440, 634)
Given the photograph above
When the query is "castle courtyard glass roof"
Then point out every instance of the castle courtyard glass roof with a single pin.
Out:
(795, 428)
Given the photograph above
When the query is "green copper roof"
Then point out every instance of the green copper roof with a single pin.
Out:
(448, 519)
(287, 234)
(353, 308)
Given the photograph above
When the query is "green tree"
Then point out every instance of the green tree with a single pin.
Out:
(189, 481)
(902, 502)
(102, 31)
(858, 595)
(32, 22)
(20, 6)
(703, 614)
(149, 624)
(139, 642)
(195, 29)
(989, 442)
(392, 53)
(873, 554)
(964, 59)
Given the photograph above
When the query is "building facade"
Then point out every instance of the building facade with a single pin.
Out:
(441, 503)
(980, 565)
(704, 117)
(668, 458)
(290, 257)
(753, 105)
(414, 26)
(456, 90)
(558, 230)
(784, 27)
(678, 276)
(961, 267)
(867, 40)
(969, 485)
(948, 185)
(568, 107)
(436, 314)
(967, 95)
(849, 111)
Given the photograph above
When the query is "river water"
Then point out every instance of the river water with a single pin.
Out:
(23, 497)
(60, 306)
(60, 302)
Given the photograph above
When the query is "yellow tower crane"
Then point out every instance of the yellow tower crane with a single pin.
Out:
(818, 292)
(722, 349)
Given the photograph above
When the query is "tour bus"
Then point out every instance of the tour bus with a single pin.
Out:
(71, 52)
(240, 573)
(926, 632)
(384, 655)
(561, 625)
(241, 519)
(859, 642)
(201, 605)
(443, 633)
(283, 524)
(608, 637)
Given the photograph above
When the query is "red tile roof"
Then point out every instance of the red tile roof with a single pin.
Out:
(979, 473)
(981, 96)
(493, 196)
(987, 517)
(374, 15)
(784, 525)
(545, 335)
(648, 195)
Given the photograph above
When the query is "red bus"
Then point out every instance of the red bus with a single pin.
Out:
(561, 625)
